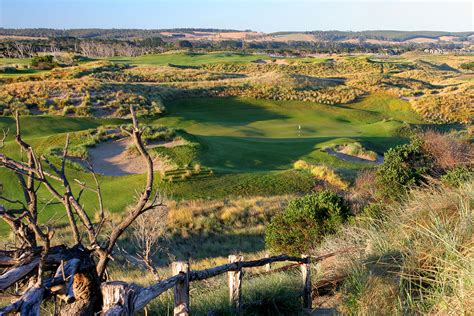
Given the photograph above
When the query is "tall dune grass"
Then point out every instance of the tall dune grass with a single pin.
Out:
(415, 258)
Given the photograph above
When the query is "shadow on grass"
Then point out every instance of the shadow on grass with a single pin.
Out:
(249, 154)
(199, 246)
(276, 294)
(231, 111)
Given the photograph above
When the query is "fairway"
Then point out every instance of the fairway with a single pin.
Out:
(188, 59)
(249, 144)
(244, 135)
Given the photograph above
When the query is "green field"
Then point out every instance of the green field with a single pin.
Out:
(15, 61)
(250, 144)
(247, 135)
(188, 59)
(21, 71)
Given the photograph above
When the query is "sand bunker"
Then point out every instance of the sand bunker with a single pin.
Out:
(112, 159)
(351, 158)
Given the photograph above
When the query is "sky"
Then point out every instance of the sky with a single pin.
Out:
(257, 15)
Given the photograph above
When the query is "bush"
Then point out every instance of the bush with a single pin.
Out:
(457, 176)
(468, 66)
(404, 166)
(446, 150)
(306, 219)
(43, 62)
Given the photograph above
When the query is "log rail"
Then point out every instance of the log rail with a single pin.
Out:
(131, 298)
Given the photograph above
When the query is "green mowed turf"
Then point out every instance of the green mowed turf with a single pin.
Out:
(43, 125)
(18, 72)
(249, 144)
(15, 61)
(248, 135)
(188, 59)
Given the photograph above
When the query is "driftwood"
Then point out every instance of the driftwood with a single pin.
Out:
(14, 275)
(28, 305)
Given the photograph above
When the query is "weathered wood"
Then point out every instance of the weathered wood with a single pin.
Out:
(149, 293)
(207, 273)
(306, 276)
(78, 274)
(181, 289)
(235, 285)
(28, 305)
(65, 273)
(118, 298)
(268, 266)
(14, 275)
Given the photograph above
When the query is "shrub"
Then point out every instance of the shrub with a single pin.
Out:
(447, 151)
(404, 166)
(457, 176)
(305, 220)
(468, 66)
(364, 190)
(43, 62)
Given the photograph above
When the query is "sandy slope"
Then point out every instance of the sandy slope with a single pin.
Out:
(111, 158)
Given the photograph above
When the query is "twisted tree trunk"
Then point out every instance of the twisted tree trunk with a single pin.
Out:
(76, 274)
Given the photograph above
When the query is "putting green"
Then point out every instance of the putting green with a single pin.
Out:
(245, 135)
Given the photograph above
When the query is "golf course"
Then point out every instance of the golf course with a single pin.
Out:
(225, 172)
(250, 145)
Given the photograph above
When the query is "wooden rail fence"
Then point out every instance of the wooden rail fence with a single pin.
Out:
(126, 299)
(132, 298)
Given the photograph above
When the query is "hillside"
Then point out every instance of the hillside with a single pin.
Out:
(387, 36)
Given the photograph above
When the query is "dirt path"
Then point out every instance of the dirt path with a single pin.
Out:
(112, 159)
(354, 158)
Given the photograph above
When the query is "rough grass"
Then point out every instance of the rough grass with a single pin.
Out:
(322, 173)
(414, 258)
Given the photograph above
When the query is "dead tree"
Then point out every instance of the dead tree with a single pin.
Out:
(76, 275)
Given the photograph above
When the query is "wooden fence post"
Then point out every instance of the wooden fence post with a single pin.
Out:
(181, 289)
(306, 274)
(235, 285)
(268, 266)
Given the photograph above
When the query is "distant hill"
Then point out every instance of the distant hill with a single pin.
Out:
(211, 34)
(104, 33)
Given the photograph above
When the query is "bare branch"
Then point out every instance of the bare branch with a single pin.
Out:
(5, 134)
(143, 203)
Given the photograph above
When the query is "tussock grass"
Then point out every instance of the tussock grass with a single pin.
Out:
(323, 173)
(228, 214)
(415, 258)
